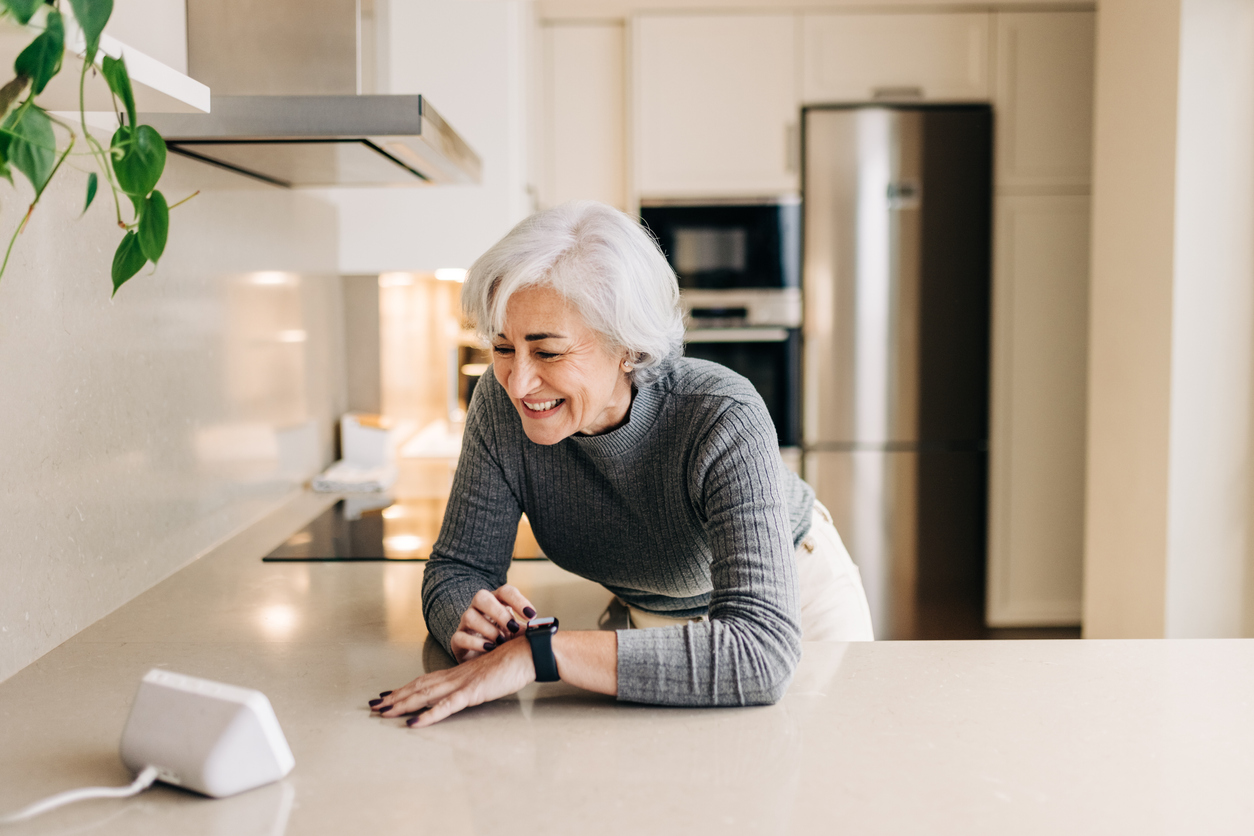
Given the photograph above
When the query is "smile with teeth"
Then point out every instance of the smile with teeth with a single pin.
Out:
(542, 406)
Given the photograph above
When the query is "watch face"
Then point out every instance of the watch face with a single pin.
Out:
(548, 622)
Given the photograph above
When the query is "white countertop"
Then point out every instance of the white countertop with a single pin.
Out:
(1009, 737)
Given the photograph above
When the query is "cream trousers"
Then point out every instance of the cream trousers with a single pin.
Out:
(833, 603)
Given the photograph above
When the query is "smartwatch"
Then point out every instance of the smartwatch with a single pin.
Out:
(540, 634)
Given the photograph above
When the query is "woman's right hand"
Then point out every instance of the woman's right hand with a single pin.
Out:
(491, 619)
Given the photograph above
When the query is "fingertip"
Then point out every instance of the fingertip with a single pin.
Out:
(529, 612)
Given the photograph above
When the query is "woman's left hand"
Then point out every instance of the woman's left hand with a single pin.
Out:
(487, 677)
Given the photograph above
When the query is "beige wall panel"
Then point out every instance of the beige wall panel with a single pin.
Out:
(1134, 165)
(857, 57)
(1036, 496)
(583, 136)
(1044, 98)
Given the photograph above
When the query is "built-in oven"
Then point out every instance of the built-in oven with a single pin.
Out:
(739, 270)
(770, 358)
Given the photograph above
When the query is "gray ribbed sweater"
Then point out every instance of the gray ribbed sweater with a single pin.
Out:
(685, 509)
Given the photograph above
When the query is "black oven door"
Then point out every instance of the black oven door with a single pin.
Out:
(770, 358)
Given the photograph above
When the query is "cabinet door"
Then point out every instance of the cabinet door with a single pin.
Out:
(1037, 443)
(715, 107)
(1044, 98)
(583, 131)
(859, 57)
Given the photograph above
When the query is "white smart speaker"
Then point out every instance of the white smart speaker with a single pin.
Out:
(216, 739)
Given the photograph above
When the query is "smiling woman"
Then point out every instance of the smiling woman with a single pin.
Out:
(656, 476)
(560, 374)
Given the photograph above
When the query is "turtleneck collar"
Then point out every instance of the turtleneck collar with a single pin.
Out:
(646, 404)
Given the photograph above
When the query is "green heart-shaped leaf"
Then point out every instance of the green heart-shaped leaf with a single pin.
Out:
(32, 146)
(138, 160)
(92, 182)
(127, 261)
(119, 81)
(154, 226)
(41, 59)
(22, 10)
(92, 15)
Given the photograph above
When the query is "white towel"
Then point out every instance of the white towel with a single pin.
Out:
(343, 477)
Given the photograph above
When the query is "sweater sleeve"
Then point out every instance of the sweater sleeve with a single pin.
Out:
(477, 536)
(746, 652)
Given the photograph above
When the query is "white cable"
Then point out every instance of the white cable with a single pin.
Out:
(142, 781)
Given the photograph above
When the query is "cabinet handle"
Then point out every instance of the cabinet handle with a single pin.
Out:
(792, 148)
(897, 93)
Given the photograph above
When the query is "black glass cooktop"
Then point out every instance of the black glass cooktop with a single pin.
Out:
(371, 527)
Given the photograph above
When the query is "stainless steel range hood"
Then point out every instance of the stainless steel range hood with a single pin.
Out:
(324, 140)
(291, 84)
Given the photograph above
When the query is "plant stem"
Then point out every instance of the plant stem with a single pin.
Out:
(184, 200)
(31, 209)
(13, 240)
(102, 159)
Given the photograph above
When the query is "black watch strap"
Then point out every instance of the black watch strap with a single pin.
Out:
(541, 639)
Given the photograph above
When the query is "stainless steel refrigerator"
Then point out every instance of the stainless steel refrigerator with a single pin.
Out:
(895, 276)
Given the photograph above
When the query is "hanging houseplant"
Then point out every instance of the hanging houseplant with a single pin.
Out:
(133, 162)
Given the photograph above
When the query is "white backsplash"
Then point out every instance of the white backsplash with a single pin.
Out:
(135, 433)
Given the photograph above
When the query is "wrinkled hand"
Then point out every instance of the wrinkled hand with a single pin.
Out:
(488, 677)
(491, 620)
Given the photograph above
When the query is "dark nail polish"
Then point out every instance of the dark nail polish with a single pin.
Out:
(374, 703)
(529, 612)
(411, 721)
(489, 645)
(513, 626)
(384, 693)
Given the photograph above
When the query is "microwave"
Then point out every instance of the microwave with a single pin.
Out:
(740, 245)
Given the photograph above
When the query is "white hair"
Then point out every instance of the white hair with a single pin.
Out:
(603, 262)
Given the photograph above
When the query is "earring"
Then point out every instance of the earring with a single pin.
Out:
(627, 366)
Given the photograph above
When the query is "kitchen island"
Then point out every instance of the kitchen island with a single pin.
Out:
(1005, 737)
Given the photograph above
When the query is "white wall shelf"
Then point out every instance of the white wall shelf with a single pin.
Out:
(158, 88)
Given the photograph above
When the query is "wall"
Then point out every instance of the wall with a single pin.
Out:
(140, 430)
(471, 60)
(362, 345)
(1208, 525)
(1167, 549)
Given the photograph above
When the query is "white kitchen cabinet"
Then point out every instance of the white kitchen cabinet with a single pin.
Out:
(1037, 444)
(861, 57)
(1044, 98)
(714, 105)
(583, 114)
